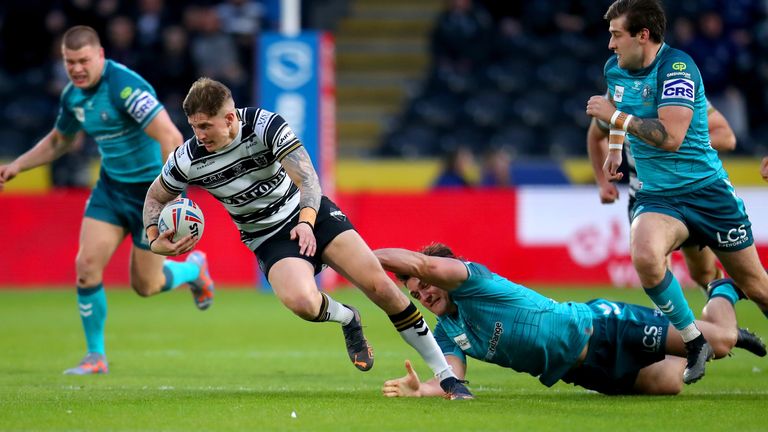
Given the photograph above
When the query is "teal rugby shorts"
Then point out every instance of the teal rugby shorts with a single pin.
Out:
(714, 215)
(625, 339)
(120, 204)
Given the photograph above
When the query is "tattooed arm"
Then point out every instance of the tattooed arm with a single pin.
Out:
(299, 167)
(666, 132)
(156, 199)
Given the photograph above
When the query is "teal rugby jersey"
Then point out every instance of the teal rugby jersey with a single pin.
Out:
(115, 113)
(672, 79)
(512, 326)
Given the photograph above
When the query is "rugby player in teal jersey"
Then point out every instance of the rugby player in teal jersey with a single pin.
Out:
(134, 133)
(701, 262)
(656, 98)
(610, 347)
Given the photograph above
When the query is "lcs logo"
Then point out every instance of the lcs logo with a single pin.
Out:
(652, 338)
(734, 235)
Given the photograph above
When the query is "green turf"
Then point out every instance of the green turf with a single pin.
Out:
(248, 364)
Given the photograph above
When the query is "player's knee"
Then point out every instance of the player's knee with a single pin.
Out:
(142, 288)
(650, 267)
(724, 342)
(88, 271)
(703, 276)
(305, 308)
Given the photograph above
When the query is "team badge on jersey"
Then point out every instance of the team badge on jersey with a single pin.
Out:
(618, 93)
(79, 113)
(463, 342)
(678, 88)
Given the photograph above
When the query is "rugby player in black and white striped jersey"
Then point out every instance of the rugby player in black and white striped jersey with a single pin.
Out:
(253, 163)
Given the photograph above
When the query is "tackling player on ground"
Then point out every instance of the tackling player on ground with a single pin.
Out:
(610, 347)
(120, 110)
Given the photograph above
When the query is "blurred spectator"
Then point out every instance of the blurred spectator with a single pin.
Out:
(119, 44)
(461, 40)
(215, 54)
(151, 17)
(83, 12)
(716, 56)
(496, 169)
(173, 72)
(243, 20)
(455, 169)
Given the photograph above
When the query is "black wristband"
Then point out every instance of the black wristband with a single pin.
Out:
(308, 223)
(149, 226)
(152, 241)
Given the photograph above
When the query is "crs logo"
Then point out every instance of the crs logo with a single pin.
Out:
(289, 64)
(733, 236)
(679, 66)
(678, 88)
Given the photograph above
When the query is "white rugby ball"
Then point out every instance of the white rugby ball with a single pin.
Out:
(184, 217)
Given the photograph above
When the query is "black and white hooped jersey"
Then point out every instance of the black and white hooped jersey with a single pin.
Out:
(246, 176)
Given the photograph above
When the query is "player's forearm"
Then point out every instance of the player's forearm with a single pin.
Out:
(157, 197)
(723, 139)
(162, 130)
(653, 132)
(169, 141)
(48, 149)
(400, 261)
(597, 149)
(299, 167)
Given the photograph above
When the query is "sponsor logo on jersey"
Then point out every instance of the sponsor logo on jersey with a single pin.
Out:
(286, 135)
(679, 88)
(618, 93)
(652, 338)
(142, 105)
(338, 215)
(125, 92)
(498, 329)
(463, 342)
(733, 237)
(263, 117)
(679, 66)
(261, 189)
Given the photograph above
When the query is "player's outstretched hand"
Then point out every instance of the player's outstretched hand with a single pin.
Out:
(164, 245)
(764, 168)
(609, 193)
(611, 166)
(307, 242)
(407, 386)
(8, 172)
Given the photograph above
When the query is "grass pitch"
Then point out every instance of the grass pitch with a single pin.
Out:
(249, 364)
